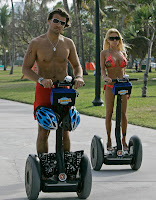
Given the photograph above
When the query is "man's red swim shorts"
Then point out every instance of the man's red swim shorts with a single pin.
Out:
(42, 97)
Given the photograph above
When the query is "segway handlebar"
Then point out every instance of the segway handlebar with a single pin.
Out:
(63, 83)
(68, 81)
(123, 80)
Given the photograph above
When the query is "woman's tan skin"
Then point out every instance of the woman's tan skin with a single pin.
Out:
(52, 66)
(112, 73)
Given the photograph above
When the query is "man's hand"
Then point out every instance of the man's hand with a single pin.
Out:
(47, 83)
(128, 96)
(79, 82)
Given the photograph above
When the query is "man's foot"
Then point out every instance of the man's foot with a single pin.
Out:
(52, 179)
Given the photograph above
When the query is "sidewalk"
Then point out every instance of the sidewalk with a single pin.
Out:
(18, 133)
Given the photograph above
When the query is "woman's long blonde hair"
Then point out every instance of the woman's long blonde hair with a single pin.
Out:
(121, 46)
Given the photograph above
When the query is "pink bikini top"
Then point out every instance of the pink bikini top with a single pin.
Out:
(110, 62)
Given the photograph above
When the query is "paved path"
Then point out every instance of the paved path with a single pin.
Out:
(18, 132)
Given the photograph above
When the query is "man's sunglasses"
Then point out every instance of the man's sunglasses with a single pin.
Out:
(114, 38)
(56, 21)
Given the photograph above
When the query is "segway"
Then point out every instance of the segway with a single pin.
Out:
(117, 156)
(64, 171)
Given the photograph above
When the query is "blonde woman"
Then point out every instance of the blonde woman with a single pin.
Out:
(113, 62)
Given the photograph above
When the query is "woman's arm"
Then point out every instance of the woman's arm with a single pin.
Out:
(103, 67)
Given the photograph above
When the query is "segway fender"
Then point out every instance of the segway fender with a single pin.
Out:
(97, 153)
(37, 162)
(136, 146)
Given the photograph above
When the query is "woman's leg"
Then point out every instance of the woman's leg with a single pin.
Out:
(109, 101)
(124, 121)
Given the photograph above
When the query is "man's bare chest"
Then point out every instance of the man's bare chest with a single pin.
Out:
(47, 54)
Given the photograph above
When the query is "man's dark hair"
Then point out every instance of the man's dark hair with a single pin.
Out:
(62, 13)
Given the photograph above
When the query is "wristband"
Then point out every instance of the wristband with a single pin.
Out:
(40, 79)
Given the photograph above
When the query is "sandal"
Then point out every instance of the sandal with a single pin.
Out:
(109, 146)
(125, 147)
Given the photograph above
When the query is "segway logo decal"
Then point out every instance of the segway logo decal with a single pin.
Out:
(62, 177)
(64, 100)
(119, 152)
(122, 92)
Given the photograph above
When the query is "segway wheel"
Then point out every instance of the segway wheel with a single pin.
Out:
(32, 179)
(135, 148)
(97, 153)
(85, 184)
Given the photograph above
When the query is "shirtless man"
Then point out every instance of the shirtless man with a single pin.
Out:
(51, 51)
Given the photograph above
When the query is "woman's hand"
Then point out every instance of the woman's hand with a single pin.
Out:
(107, 79)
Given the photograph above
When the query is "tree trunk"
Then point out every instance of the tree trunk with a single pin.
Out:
(82, 47)
(5, 66)
(69, 31)
(77, 27)
(140, 63)
(144, 88)
(13, 42)
(122, 23)
(101, 33)
(69, 35)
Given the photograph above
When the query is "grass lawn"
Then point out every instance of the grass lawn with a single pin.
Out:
(141, 110)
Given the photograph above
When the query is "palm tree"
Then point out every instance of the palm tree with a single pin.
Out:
(77, 27)
(78, 3)
(69, 34)
(146, 21)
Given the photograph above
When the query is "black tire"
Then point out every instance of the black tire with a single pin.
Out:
(32, 177)
(85, 184)
(135, 148)
(97, 153)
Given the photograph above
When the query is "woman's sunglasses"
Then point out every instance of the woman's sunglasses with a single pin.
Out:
(56, 21)
(114, 38)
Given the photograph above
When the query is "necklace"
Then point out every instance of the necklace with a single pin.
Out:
(54, 47)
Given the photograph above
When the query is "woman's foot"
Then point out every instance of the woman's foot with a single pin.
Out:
(109, 145)
(125, 147)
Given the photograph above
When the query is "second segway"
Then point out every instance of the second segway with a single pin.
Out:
(117, 156)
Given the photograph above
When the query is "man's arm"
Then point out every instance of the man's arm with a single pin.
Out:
(29, 60)
(28, 63)
(77, 69)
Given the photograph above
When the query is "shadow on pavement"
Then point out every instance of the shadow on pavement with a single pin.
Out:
(112, 172)
(49, 198)
(64, 198)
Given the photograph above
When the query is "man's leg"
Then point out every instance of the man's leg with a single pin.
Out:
(66, 141)
(42, 140)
